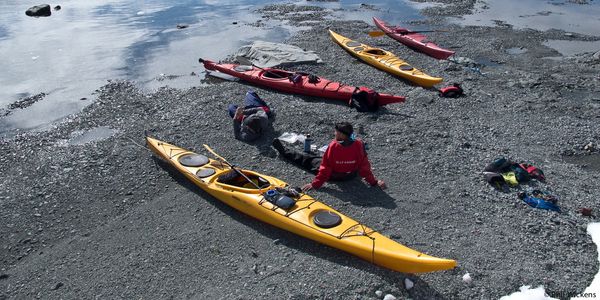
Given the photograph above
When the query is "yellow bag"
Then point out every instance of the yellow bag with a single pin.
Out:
(510, 178)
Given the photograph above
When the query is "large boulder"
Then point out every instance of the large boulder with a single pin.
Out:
(42, 10)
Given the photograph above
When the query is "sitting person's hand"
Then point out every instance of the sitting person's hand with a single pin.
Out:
(307, 187)
(381, 184)
(238, 113)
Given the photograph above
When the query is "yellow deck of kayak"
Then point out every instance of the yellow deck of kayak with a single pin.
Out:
(385, 60)
(349, 235)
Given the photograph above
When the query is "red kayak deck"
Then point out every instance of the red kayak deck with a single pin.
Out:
(414, 40)
(278, 79)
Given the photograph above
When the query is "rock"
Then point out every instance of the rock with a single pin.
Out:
(57, 7)
(182, 26)
(378, 293)
(3, 276)
(234, 23)
(389, 297)
(589, 147)
(408, 284)
(42, 10)
(57, 286)
(586, 212)
(467, 278)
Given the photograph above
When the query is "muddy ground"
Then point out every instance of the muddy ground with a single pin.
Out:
(105, 220)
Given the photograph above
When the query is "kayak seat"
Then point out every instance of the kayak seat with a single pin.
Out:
(353, 44)
(232, 177)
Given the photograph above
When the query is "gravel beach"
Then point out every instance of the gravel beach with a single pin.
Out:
(106, 220)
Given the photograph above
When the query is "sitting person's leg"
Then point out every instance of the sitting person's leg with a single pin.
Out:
(305, 160)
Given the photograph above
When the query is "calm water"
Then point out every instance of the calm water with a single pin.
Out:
(75, 51)
(538, 14)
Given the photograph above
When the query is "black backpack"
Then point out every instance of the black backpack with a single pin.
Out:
(364, 100)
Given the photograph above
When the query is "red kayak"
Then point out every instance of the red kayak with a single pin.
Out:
(414, 40)
(304, 84)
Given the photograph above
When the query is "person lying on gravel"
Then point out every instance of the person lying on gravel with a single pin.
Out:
(250, 122)
(344, 158)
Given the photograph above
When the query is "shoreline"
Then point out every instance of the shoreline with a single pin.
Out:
(104, 219)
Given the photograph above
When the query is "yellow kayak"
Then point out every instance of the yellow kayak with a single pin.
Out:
(385, 60)
(264, 197)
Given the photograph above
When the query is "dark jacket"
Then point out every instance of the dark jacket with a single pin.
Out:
(253, 123)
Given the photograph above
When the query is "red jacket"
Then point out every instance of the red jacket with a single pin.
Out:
(345, 160)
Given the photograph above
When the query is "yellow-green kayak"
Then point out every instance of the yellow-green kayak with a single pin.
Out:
(385, 60)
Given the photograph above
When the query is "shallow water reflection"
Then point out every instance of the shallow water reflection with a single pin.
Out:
(73, 52)
(540, 15)
(570, 48)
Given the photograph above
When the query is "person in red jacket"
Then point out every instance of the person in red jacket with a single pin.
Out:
(344, 158)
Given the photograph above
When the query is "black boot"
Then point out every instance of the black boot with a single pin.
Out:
(277, 145)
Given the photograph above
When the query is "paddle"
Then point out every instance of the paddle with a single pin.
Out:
(380, 33)
(232, 167)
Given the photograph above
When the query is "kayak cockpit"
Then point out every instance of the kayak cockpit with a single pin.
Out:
(275, 74)
(375, 52)
(233, 180)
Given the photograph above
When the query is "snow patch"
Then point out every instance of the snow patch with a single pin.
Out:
(529, 294)
(593, 229)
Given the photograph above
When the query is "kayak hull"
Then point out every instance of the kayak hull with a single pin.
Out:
(349, 235)
(278, 79)
(385, 61)
(414, 40)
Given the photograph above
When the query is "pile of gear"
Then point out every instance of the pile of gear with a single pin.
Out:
(504, 173)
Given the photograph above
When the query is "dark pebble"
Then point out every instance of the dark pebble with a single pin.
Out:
(57, 286)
